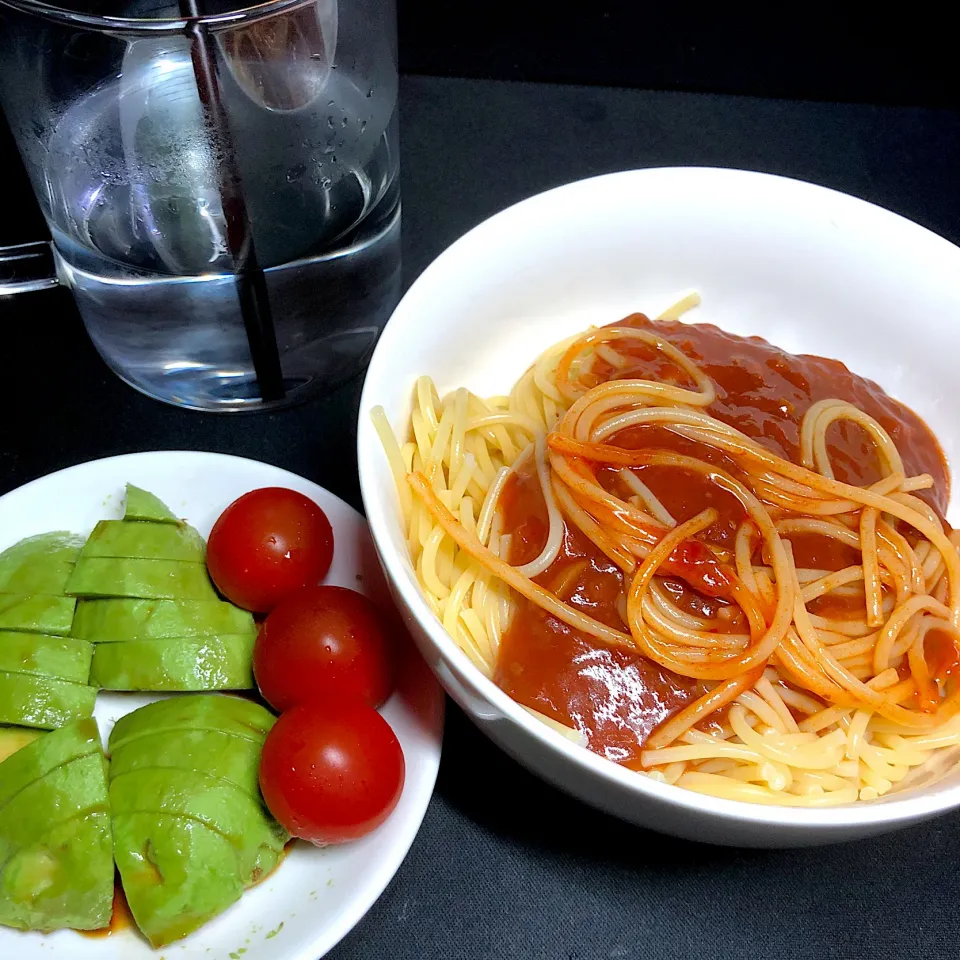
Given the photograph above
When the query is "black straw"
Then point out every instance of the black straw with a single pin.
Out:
(251, 283)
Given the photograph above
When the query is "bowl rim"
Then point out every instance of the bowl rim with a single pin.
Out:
(888, 811)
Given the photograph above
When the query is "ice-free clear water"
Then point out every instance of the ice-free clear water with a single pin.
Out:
(133, 203)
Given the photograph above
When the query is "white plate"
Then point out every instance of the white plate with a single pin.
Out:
(316, 896)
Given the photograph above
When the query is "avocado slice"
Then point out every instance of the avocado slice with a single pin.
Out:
(74, 788)
(190, 827)
(149, 541)
(56, 860)
(40, 564)
(149, 579)
(142, 505)
(222, 806)
(106, 621)
(176, 873)
(183, 663)
(213, 752)
(64, 879)
(46, 656)
(49, 751)
(30, 701)
(235, 716)
(14, 739)
(39, 614)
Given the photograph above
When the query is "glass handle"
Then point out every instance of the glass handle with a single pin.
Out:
(26, 267)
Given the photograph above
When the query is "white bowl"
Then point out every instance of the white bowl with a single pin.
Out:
(809, 269)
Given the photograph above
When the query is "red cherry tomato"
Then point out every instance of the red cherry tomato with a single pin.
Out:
(268, 544)
(331, 772)
(322, 643)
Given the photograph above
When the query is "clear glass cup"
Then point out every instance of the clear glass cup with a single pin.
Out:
(221, 186)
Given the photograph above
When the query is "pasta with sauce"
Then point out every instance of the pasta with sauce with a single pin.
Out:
(719, 564)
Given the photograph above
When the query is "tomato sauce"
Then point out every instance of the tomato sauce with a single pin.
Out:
(120, 919)
(615, 698)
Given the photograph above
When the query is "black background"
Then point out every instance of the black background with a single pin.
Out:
(505, 867)
(806, 51)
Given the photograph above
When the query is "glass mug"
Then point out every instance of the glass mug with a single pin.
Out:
(221, 186)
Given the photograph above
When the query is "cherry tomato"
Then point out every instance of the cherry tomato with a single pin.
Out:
(322, 643)
(268, 544)
(331, 772)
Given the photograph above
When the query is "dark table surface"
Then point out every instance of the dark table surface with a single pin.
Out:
(505, 866)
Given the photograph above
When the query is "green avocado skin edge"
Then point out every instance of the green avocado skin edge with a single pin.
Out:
(56, 855)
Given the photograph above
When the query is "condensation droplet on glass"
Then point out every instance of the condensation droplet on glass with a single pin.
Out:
(325, 182)
(329, 148)
(296, 172)
(344, 122)
(330, 122)
(330, 103)
(370, 93)
(363, 125)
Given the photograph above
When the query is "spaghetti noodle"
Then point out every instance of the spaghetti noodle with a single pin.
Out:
(740, 588)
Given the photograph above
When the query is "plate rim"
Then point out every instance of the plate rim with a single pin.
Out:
(344, 922)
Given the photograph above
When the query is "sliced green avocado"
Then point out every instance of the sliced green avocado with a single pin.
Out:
(46, 656)
(106, 621)
(142, 505)
(222, 806)
(39, 565)
(40, 546)
(150, 541)
(185, 663)
(231, 715)
(149, 579)
(212, 752)
(72, 789)
(64, 879)
(14, 739)
(49, 751)
(30, 701)
(40, 614)
(176, 873)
